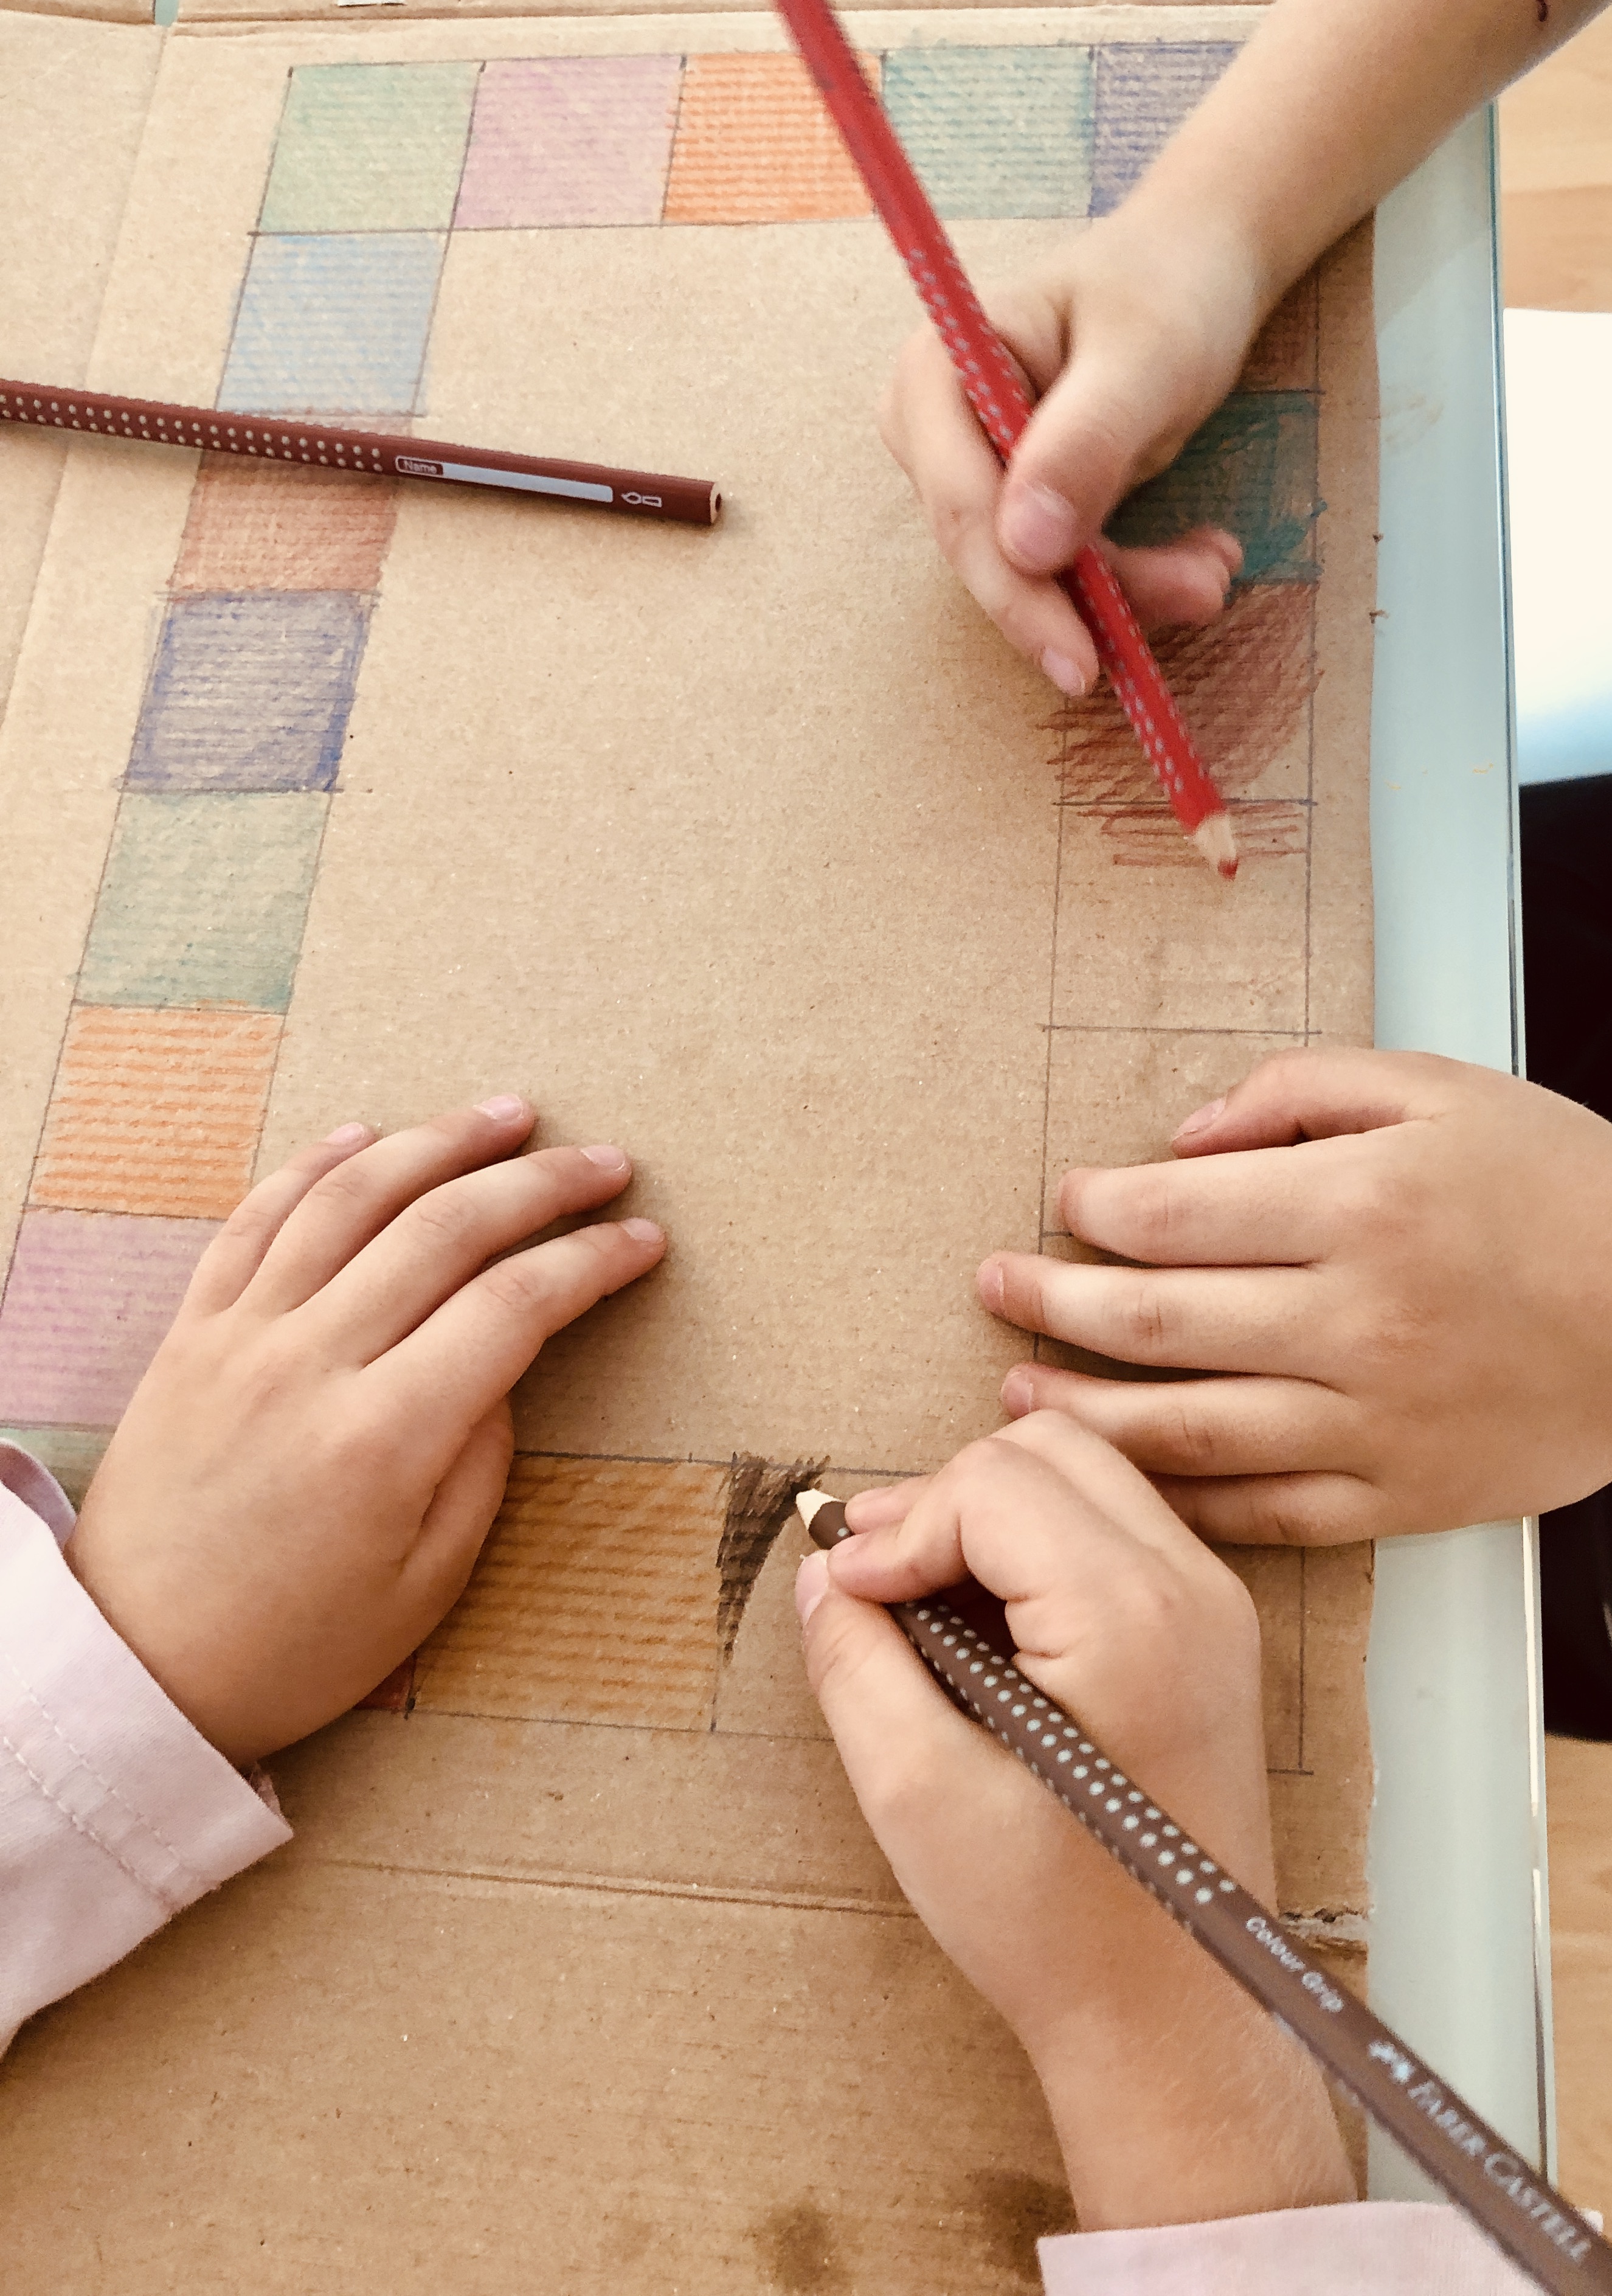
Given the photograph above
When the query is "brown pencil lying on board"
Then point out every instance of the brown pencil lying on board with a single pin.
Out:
(1527, 2217)
(632, 494)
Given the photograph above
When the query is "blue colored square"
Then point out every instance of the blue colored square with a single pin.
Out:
(995, 131)
(1143, 93)
(1251, 468)
(333, 323)
(249, 692)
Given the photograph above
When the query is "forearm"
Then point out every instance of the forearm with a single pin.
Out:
(1329, 105)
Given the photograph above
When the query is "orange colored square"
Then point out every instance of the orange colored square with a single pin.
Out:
(595, 1599)
(755, 145)
(254, 526)
(155, 1112)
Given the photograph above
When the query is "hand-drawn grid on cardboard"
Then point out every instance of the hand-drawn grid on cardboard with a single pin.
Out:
(975, 891)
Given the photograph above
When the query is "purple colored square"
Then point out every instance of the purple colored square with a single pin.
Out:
(578, 140)
(89, 1297)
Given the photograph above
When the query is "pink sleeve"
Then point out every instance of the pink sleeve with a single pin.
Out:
(1364, 2248)
(114, 1811)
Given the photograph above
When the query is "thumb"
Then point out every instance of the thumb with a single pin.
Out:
(1112, 418)
(1303, 1095)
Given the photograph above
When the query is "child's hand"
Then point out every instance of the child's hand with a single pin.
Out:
(1133, 336)
(1174, 2096)
(1415, 1302)
(306, 1474)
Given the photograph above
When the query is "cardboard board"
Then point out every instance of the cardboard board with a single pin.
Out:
(756, 849)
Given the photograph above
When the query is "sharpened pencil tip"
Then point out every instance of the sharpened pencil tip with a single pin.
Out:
(1214, 840)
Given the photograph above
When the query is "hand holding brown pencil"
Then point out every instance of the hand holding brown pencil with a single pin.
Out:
(1080, 1581)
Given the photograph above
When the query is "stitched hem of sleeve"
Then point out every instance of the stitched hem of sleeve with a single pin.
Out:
(102, 1743)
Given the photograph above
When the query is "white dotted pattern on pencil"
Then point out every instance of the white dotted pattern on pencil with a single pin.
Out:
(273, 442)
(1055, 1751)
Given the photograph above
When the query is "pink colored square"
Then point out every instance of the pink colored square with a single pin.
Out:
(89, 1297)
(580, 140)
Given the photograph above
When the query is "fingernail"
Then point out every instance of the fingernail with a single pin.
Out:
(607, 1159)
(503, 1106)
(642, 1231)
(991, 1288)
(1038, 527)
(1065, 673)
(1018, 1392)
(1200, 1119)
(347, 1136)
(810, 1585)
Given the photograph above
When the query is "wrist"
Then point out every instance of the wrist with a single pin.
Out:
(1182, 2101)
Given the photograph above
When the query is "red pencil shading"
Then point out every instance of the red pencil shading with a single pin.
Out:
(1003, 405)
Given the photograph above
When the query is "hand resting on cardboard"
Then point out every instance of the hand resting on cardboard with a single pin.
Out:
(1173, 2095)
(305, 1475)
(1395, 1274)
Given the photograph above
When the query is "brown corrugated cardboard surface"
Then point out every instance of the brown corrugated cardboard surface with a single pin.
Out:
(758, 851)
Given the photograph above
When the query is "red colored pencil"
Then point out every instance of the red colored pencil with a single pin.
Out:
(999, 398)
(295, 439)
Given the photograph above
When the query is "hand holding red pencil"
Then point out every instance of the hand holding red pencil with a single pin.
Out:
(997, 393)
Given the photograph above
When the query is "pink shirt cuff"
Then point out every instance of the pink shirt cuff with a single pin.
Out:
(1364, 2248)
(115, 1812)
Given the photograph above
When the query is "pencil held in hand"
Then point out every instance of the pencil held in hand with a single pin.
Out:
(999, 398)
(1504, 2196)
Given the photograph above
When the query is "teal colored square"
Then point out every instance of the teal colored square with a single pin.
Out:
(370, 147)
(995, 131)
(1252, 469)
(204, 900)
(333, 322)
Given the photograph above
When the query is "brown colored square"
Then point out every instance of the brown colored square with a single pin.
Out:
(257, 527)
(155, 1112)
(754, 145)
(595, 1599)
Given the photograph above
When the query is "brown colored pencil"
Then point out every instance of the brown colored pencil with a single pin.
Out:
(322, 446)
(1506, 2197)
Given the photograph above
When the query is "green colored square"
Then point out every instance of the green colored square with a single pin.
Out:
(995, 131)
(1251, 468)
(204, 900)
(370, 147)
(71, 1454)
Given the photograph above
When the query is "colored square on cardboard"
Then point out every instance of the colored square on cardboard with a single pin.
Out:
(595, 1599)
(252, 528)
(249, 692)
(72, 1454)
(755, 145)
(156, 1111)
(370, 147)
(88, 1300)
(334, 324)
(1251, 468)
(204, 900)
(571, 140)
(995, 131)
(1143, 91)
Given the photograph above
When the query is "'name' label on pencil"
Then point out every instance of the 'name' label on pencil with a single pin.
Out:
(573, 489)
